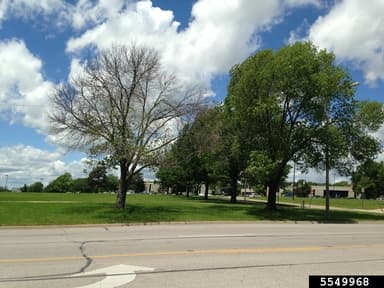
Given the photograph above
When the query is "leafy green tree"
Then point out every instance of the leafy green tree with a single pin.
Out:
(112, 183)
(369, 177)
(206, 144)
(260, 168)
(36, 187)
(234, 148)
(61, 184)
(285, 103)
(181, 165)
(345, 140)
(24, 188)
(195, 157)
(169, 173)
(81, 185)
(137, 184)
(97, 178)
(302, 188)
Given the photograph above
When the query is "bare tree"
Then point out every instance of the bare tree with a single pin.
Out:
(125, 107)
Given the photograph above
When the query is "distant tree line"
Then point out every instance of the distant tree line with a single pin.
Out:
(97, 181)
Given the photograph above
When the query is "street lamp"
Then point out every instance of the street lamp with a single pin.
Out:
(6, 182)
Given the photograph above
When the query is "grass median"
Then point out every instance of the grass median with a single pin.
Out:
(58, 209)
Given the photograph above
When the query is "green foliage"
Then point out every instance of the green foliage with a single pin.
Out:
(81, 185)
(36, 187)
(112, 183)
(24, 188)
(97, 178)
(286, 105)
(260, 167)
(61, 184)
(302, 188)
(292, 103)
(370, 178)
(195, 157)
(137, 183)
(370, 115)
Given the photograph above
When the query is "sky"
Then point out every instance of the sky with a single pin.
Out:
(45, 42)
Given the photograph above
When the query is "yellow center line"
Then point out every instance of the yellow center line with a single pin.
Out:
(190, 252)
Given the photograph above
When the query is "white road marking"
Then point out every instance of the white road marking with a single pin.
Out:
(114, 275)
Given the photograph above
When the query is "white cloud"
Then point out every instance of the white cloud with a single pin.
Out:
(34, 9)
(317, 176)
(85, 12)
(26, 164)
(296, 3)
(354, 31)
(138, 22)
(23, 91)
(80, 15)
(3, 9)
(219, 35)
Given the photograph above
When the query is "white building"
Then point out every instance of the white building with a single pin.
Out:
(334, 191)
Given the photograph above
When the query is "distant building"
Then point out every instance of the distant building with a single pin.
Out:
(151, 187)
(334, 191)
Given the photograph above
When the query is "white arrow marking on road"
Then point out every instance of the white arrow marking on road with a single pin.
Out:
(114, 275)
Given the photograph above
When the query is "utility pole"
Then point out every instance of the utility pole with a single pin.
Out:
(326, 183)
(328, 163)
(293, 181)
(6, 182)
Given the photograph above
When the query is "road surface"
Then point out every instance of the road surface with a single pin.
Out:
(193, 255)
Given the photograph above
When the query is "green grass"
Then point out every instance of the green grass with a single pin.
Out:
(340, 202)
(45, 209)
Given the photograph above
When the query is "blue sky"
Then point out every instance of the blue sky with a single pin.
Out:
(44, 42)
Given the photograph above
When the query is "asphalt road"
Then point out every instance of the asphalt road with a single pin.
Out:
(192, 255)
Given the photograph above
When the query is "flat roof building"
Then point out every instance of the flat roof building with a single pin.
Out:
(334, 191)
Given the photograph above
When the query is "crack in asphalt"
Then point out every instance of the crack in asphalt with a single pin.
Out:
(88, 260)
(68, 275)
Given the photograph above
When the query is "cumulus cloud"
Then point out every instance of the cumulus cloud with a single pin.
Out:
(80, 15)
(140, 22)
(354, 31)
(27, 164)
(23, 91)
(3, 10)
(86, 12)
(219, 35)
(33, 9)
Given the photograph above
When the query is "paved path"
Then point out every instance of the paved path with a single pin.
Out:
(193, 255)
(309, 205)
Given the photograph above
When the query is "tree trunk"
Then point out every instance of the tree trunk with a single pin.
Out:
(273, 189)
(123, 186)
(206, 190)
(234, 189)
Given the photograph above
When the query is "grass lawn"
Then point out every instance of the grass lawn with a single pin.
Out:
(50, 208)
(339, 202)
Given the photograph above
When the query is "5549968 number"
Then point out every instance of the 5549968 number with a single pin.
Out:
(346, 281)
